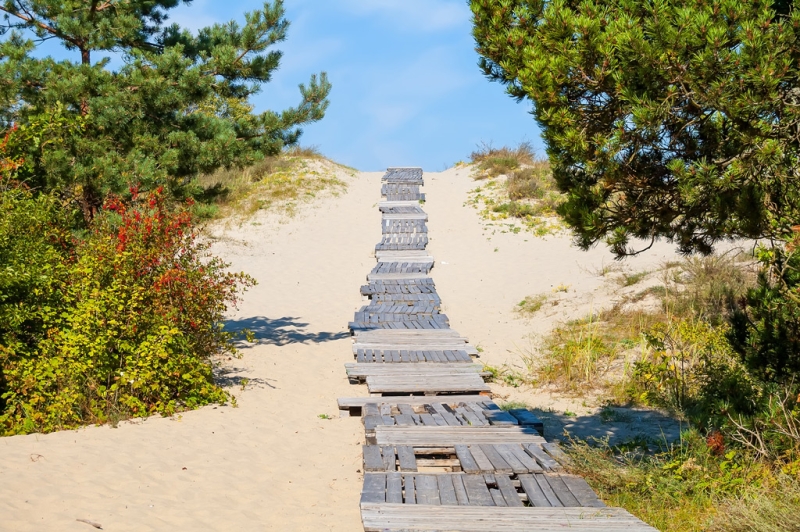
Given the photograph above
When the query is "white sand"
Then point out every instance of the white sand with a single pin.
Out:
(273, 463)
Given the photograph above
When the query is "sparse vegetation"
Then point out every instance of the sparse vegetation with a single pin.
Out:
(527, 194)
(531, 304)
(281, 182)
(630, 279)
(492, 161)
(744, 440)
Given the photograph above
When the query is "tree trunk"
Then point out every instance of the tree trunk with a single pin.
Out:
(86, 59)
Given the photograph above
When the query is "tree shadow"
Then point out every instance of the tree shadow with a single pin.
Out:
(231, 376)
(616, 423)
(279, 331)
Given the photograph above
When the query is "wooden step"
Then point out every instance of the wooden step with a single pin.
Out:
(537, 490)
(406, 356)
(427, 384)
(506, 458)
(421, 369)
(386, 517)
(354, 406)
(450, 435)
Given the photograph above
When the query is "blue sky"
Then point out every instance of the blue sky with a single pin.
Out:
(406, 86)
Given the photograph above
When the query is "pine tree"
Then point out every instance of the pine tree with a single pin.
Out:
(178, 106)
(668, 119)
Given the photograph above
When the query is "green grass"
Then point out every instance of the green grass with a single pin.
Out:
(531, 304)
(687, 487)
(630, 279)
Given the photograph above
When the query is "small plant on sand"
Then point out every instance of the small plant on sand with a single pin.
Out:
(531, 305)
(576, 355)
(495, 161)
(630, 279)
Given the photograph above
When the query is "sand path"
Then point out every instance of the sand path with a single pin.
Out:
(273, 463)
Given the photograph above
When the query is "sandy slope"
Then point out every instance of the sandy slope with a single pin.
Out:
(273, 463)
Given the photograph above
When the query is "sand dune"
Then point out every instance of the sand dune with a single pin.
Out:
(273, 463)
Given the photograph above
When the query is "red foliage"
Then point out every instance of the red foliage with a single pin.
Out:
(716, 443)
(7, 163)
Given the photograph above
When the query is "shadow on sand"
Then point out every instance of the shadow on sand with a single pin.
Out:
(231, 376)
(618, 424)
(280, 331)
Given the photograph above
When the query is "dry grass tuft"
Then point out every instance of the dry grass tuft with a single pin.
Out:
(763, 509)
(495, 161)
(581, 354)
(519, 187)
(281, 182)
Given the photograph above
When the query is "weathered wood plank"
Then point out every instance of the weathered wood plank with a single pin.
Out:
(582, 491)
(433, 436)
(397, 517)
(374, 489)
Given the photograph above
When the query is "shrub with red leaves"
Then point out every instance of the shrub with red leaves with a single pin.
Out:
(716, 443)
(138, 327)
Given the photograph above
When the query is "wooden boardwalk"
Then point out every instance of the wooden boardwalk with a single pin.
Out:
(439, 453)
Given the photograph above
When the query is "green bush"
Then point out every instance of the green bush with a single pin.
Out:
(766, 326)
(123, 322)
(35, 255)
(691, 368)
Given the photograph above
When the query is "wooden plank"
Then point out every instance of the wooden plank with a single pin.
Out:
(427, 419)
(394, 488)
(477, 491)
(544, 460)
(500, 465)
(406, 457)
(513, 462)
(449, 436)
(507, 489)
(461, 491)
(408, 489)
(404, 420)
(374, 489)
(448, 416)
(531, 464)
(427, 489)
(420, 368)
(468, 463)
(421, 345)
(484, 464)
(422, 383)
(554, 450)
(497, 497)
(500, 417)
(372, 458)
(582, 491)
(447, 493)
(552, 498)
(402, 517)
(535, 494)
(562, 491)
(527, 418)
(389, 462)
(370, 422)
